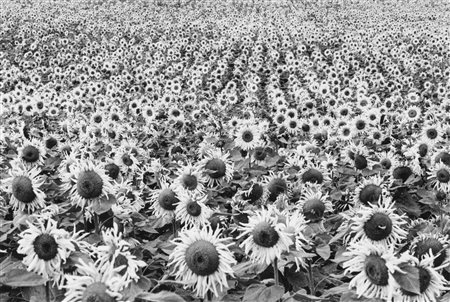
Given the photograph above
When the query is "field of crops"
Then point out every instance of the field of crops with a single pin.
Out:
(293, 151)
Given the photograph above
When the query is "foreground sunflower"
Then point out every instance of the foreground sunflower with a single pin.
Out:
(379, 224)
(267, 238)
(94, 284)
(87, 183)
(202, 260)
(217, 167)
(45, 247)
(375, 266)
(192, 210)
(24, 188)
(432, 283)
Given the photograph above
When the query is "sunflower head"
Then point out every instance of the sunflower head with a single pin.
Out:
(189, 181)
(22, 189)
(89, 184)
(256, 192)
(45, 247)
(112, 170)
(202, 258)
(376, 270)
(312, 176)
(423, 247)
(30, 154)
(167, 199)
(402, 172)
(313, 209)
(378, 227)
(193, 208)
(276, 186)
(370, 193)
(97, 292)
(265, 234)
(216, 168)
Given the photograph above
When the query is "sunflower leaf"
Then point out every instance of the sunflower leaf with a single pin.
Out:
(261, 293)
(409, 280)
(162, 296)
(21, 278)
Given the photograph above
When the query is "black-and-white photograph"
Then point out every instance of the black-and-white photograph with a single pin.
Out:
(225, 150)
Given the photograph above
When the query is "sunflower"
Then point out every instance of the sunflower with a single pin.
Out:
(435, 244)
(192, 210)
(24, 188)
(190, 179)
(128, 201)
(94, 284)
(217, 167)
(375, 266)
(248, 136)
(257, 193)
(314, 174)
(32, 152)
(412, 113)
(266, 237)
(296, 225)
(432, 283)
(370, 190)
(277, 185)
(357, 155)
(313, 203)
(432, 134)
(87, 183)
(116, 252)
(378, 224)
(440, 177)
(202, 260)
(45, 247)
(164, 200)
(126, 160)
(387, 160)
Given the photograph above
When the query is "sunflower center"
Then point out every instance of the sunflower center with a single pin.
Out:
(216, 167)
(45, 247)
(202, 258)
(370, 193)
(89, 185)
(360, 124)
(312, 175)
(97, 119)
(189, 181)
(96, 292)
(167, 199)
(386, 163)
(265, 235)
(423, 150)
(432, 133)
(30, 154)
(376, 270)
(260, 153)
(412, 113)
(313, 209)
(193, 208)
(443, 175)
(247, 136)
(360, 162)
(256, 193)
(51, 142)
(112, 170)
(378, 227)
(127, 161)
(22, 189)
(443, 157)
(402, 173)
(119, 261)
(424, 246)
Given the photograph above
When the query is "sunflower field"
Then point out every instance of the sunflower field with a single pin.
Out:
(233, 150)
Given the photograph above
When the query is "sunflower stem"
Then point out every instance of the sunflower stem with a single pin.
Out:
(85, 220)
(249, 160)
(47, 291)
(275, 272)
(97, 223)
(312, 290)
(174, 226)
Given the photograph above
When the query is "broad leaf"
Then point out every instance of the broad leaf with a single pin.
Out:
(409, 280)
(162, 296)
(262, 293)
(21, 278)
